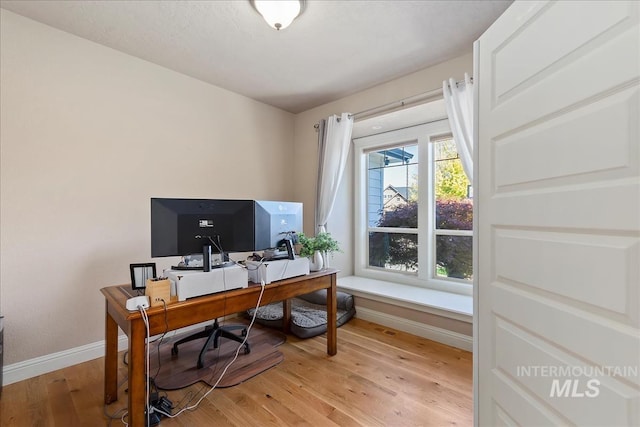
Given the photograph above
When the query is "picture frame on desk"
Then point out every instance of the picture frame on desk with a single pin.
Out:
(140, 272)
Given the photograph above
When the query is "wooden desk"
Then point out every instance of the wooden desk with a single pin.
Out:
(190, 312)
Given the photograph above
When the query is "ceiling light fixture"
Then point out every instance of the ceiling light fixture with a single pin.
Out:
(279, 14)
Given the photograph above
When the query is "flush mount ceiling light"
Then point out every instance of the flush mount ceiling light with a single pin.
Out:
(279, 14)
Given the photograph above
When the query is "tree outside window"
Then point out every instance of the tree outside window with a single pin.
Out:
(393, 243)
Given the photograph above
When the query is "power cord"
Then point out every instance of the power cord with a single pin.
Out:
(254, 257)
(145, 318)
(224, 371)
(115, 416)
(120, 412)
(218, 246)
(166, 329)
(284, 270)
(158, 339)
(162, 401)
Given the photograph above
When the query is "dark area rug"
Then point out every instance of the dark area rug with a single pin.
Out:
(180, 371)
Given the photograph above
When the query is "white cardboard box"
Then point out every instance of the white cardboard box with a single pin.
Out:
(272, 271)
(188, 283)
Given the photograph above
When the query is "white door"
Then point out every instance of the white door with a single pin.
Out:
(558, 231)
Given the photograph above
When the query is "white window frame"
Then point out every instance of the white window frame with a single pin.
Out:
(423, 135)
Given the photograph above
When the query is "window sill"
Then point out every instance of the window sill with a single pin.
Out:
(446, 304)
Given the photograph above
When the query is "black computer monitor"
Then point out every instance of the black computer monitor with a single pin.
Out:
(181, 227)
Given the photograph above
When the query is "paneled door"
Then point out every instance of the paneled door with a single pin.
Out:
(558, 215)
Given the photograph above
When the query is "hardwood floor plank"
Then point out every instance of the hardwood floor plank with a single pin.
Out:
(13, 403)
(332, 386)
(61, 403)
(296, 398)
(206, 414)
(40, 411)
(81, 379)
(266, 402)
(380, 377)
(288, 404)
(243, 403)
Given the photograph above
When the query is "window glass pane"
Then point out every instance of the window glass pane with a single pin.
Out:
(375, 187)
(394, 251)
(454, 257)
(454, 205)
(392, 187)
(454, 214)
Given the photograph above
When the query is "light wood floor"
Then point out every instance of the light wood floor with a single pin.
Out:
(380, 377)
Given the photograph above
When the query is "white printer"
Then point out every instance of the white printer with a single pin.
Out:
(193, 283)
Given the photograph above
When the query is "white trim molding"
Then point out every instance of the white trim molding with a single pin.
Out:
(434, 333)
(52, 362)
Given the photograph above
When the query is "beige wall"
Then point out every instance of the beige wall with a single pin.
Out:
(306, 154)
(87, 136)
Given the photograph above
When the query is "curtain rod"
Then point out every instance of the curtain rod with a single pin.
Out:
(398, 104)
(391, 106)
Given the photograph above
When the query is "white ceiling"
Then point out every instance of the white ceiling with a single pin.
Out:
(335, 48)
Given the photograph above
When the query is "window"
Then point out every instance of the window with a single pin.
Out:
(414, 208)
(393, 218)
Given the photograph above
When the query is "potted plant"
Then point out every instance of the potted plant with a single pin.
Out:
(317, 249)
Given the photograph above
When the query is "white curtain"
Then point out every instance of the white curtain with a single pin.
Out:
(459, 101)
(334, 138)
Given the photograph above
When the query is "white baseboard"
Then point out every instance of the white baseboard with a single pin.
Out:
(423, 330)
(54, 361)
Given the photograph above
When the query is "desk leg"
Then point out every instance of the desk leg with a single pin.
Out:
(110, 358)
(332, 323)
(286, 316)
(137, 373)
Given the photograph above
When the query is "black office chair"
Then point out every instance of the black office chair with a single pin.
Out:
(213, 333)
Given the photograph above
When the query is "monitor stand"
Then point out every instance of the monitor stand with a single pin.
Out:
(206, 258)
